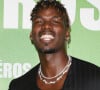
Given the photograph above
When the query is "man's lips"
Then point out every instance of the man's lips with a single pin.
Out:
(47, 37)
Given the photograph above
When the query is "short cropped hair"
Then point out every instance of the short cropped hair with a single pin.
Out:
(42, 4)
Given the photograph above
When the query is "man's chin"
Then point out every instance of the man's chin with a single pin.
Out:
(47, 51)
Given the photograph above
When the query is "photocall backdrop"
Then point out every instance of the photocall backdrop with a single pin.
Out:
(18, 55)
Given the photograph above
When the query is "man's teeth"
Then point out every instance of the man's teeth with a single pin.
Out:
(47, 37)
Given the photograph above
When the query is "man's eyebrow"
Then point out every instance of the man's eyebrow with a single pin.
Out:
(36, 17)
(59, 17)
(39, 17)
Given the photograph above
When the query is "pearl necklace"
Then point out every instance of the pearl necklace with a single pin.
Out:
(48, 80)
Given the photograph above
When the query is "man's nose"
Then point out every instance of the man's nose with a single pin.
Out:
(47, 25)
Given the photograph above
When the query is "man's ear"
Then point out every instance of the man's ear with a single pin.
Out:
(31, 35)
(67, 36)
(31, 38)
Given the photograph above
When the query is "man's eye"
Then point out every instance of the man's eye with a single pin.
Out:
(38, 21)
(55, 21)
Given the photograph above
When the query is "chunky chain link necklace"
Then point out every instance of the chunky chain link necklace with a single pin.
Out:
(49, 80)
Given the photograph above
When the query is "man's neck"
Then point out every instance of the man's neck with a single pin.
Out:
(52, 64)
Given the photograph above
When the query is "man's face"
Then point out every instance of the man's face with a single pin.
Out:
(48, 31)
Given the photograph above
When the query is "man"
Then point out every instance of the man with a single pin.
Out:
(56, 71)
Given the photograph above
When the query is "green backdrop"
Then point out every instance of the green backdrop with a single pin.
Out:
(18, 55)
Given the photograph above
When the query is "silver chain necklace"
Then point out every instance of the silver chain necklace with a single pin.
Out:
(48, 80)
